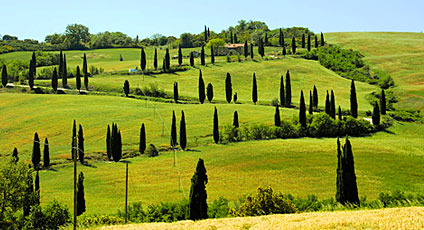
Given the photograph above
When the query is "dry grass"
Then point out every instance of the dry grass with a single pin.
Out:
(393, 218)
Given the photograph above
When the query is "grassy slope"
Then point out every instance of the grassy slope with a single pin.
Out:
(399, 54)
(394, 218)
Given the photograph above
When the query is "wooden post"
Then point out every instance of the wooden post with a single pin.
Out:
(74, 153)
(126, 195)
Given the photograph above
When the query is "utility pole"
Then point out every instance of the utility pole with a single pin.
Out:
(126, 196)
(74, 153)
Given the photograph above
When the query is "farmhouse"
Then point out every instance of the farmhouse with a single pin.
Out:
(230, 49)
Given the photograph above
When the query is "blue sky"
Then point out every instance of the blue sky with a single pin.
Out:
(36, 19)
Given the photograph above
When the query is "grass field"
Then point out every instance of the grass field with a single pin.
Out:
(399, 54)
(394, 218)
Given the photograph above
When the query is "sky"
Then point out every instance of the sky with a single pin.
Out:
(36, 19)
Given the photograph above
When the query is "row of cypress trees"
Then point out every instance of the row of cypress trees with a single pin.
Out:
(78, 142)
(183, 131)
(114, 143)
(36, 153)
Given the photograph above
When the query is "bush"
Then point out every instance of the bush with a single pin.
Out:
(231, 134)
(163, 212)
(94, 220)
(322, 126)
(153, 91)
(151, 151)
(406, 115)
(54, 216)
(219, 208)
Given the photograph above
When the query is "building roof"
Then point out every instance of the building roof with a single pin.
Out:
(234, 45)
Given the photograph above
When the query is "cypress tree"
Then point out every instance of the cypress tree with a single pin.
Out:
(340, 113)
(347, 189)
(60, 64)
(198, 208)
(167, 60)
(327, 105)
(15, 156)
(84, 67)
(155, 59)
(246, 49)
(173, 131)
(191, 59)
(54, 79)
(235, 98)
(202, 56)
(251, 51)
(74, 139)
(176, 92)
(293, 45)
(277, 119)
(235, 38)
(36, 153)
(46, 155)
(303, 40)
(108, 144)
(353, 101)
(280, 38)
(309, 42)
(81, 144)
(86, 81)
(164, 65)
(116, 143)
(120, 57)
(209, 90)
(126, 87)
(288, 90)
(322, 39)
(29, 195)
(231, 37)
(142, 145)
(228, 88)
(282, 93)
(284, 51)
(254, 90)
(143, 59)
(64, 73)
(34, 66)
(332, 106)
(302, 110)
(339, 172)
(215, 127)
(376, 115)
(180, 56)
(283, 44)
(311, 103)
(209, 33)
(315, 96)
(206, 34)
(78, 79)
(262, 48)
(266, 39)
(316, 42)
(30, 75)
(235, 120)
(37, 186)
(201, 88)
(383, 102)
(80, 195)
(183, 132)
(4, 79)
(212, 56)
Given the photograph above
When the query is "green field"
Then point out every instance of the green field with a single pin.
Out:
(385, 161)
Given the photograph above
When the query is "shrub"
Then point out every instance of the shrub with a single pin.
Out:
(151, 151)
(406, 115)
(95, 220)
(231, 134)
(219, 208)
(275, 102)
(354, 127)
(323, 126)
(52, 217)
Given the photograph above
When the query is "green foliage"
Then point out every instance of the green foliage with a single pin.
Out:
(254, 90)
(406, 115)
(201, 88)
(163, 212)
(215, 127)
(219, 208)
(53, 216)
(126, 87)
(142, 144)
(228, 88)
(347, 189)
(89, 221)
(152, 151)
(216, 42)
(81, 144)
(183, 132)
(80, 195)
(36, 153)
(198, 208)
(288, 96)
(173, 131)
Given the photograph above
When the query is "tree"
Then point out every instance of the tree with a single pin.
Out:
(228, 88)
(209, 91)
(142, 145)
(34, 64)
(277, 119)
(80, 195)
(254, 90)
(246, 49)
(143, 59)
(30, 75)
(81, 144)
(215, 127)
(284, 51)
(46, 154)
(383, 102)
(309, 42)
(126, 87)
(54, 79)
(201, 88)
(212, 56)
(108, 143)
(327, 104)
(64, 73)
(266, 39)
(4, 79)
(36, 153)
(288, 90)
(15, 156)
(74, 140)
(173, 131)
(347, 189)
(29, 198)
(261, 49)
(251, 51)
(333, 105)
(353, 101)
(294, 46)
(155, 60)
(176, 92)
(37, 186)
(183, 132)
(235, 98)
(78, 79)
(60, 65)
(180, 56)
(84, 66)
(302, 110)
(206, 34)
(231, 38)
(235, 119)
(311, 103)
(77, 34)
(191, 59)
(303, 40)
(116, 143)
(316, 42)
(235, 38)
(376, 115)
(282, 93)
(322, 39)
(202, 56)
(281, 38)
(340, 113)
(167, 60)
(197, 201)
(315, 97)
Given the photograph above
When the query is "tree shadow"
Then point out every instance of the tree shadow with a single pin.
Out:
(192, 150)
(88, 165)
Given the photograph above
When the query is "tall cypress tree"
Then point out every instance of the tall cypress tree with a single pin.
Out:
(191, 59)
(84, 67)
(280, 38)
(54, 79)
(167, 60)
(155, 59)
(284, 51)
(266, 39)
(108, 144)
(116, 143)
(46, 154)
(78, 79)
(34, 66)
(4, 76)
(309, 42)
(30, 75)
(302, 110)
(235, 119)
(201, 88)
(322, 39)
(74, 140)
(315, 96)
(376, 115)
(37, 187)
(235, 38)
(353, 101)
(142, 145)
(180, 56)
(303, 40)
(212, 56)
(80, 195)
(293, 45)
(231, 37)
(277, 119)
(60, 65)
(383, 102)
(183, 132)
(282, 93)
(173, 130)
(64, 73)
(228, 88)
(28, 199)
(347, 189)
(246, 49)
(198, 208)
(215, 127)
(86, 81)
(340, 113)
(206, 34)
(81, 144)
(316, 41)
(254, 90)
(126, 87)
(339, 172)
(209, 90)
(288, 90)
(251, 51)
(176, 92)
(36, 153)
(143, 59)
(311, 103)
(333, 105)
(327, 104)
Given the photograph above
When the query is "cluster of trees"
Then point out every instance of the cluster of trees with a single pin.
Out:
(183, 132)
(114, 143)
